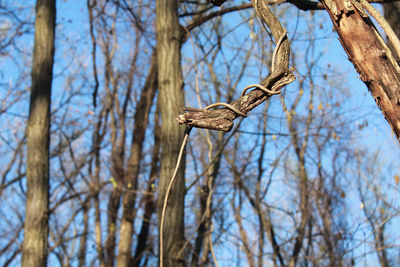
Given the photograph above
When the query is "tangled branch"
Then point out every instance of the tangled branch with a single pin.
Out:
(280, 76)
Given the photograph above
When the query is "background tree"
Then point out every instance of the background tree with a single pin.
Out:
(170, 85)
(36, 228)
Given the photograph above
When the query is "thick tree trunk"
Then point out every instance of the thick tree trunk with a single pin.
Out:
(369, 57)
(34, 250)
(171, 103)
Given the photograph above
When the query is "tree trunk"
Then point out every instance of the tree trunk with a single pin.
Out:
(84, 238)
(370, 58)
(34, 250)
(171, 104)
(112, 209)
(149, 198)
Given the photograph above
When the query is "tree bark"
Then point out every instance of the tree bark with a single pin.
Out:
(370, 58)
(171, 103)
(112, 209)
(84, 238)
(35, 245)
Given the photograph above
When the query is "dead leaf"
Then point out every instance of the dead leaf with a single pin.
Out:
(396, 179)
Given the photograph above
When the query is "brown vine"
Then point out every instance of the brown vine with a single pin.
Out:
(280, 76)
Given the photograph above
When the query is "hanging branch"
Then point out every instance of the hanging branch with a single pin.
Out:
(280, 76)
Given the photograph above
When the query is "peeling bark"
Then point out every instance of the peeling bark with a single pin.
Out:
(369, 56)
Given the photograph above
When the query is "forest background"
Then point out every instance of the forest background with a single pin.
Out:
(309, 178)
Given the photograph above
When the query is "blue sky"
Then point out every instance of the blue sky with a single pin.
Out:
(72, 29)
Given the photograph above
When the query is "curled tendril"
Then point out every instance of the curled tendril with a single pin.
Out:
(262, 88)
(227, 106)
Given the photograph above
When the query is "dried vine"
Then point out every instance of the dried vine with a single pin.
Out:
(222, 119)
(280, 75)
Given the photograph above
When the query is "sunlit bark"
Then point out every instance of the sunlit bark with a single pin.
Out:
(170, 85)
(34, 251)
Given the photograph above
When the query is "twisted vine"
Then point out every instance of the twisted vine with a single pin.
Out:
(280, 75)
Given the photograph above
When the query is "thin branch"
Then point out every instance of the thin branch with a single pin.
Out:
(199, 21)
(94, 45)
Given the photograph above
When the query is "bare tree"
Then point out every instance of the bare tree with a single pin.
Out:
(36, 229)
(378, 208)
(170, 84)
(277, 190)
(369, 55)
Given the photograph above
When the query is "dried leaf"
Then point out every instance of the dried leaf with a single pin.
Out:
(396, 179)
(114, 183)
